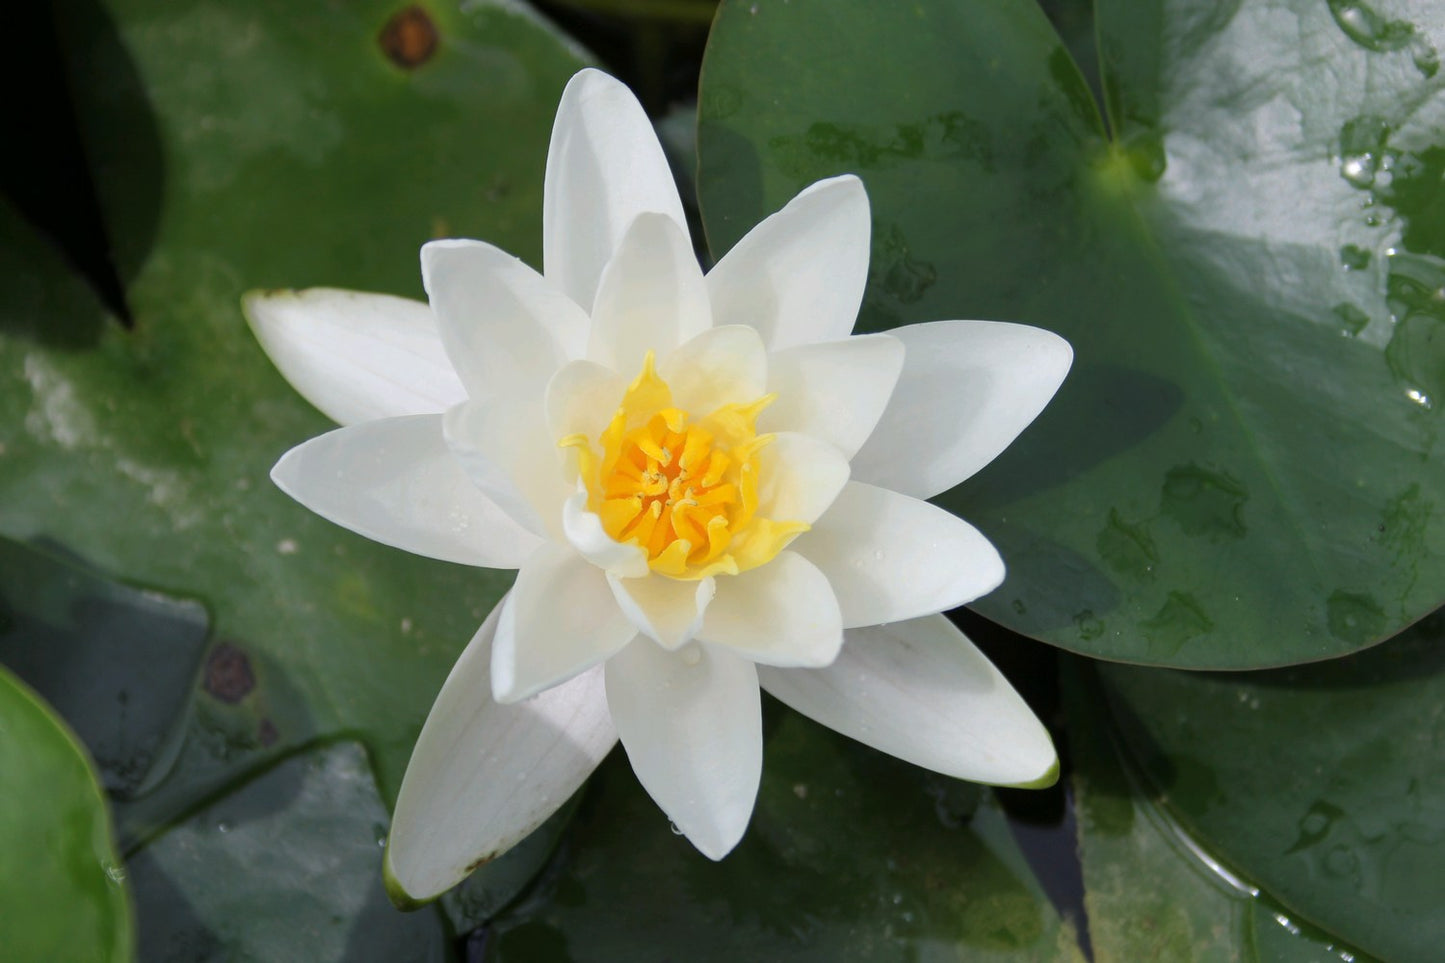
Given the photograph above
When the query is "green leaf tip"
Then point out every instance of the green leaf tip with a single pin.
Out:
(395, 892)
(1044, 781)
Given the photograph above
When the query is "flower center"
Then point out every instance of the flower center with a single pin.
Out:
(684, 489)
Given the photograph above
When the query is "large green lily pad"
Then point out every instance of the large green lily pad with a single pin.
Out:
(61, 881)
(1240, 470)
(1323, 784)
(246, 145)
(1151, 892)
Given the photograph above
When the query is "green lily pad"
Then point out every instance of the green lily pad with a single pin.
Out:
(116, 662)
(262, 144)
(1322, 784)
(1151, 893)
(1247, 258)
(247, 145)
(851, 855)
(61, 881)
(284, 869)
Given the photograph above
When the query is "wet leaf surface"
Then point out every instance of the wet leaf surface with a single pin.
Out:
(1152, 893)
(1248, 269)
(1322, 784)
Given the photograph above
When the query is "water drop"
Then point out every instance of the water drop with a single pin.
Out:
(223, 827)
(692, 654)
(116, 874)
(1424, 56)
(1366, 27)
(1352, 319)
(675, 830)
(1204, 502)
(1416, 356)
(1340, 861)
(1354, 258)
(1178, 620)
(1354, 617)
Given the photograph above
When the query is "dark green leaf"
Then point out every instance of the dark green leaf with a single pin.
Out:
(287, 868)
(61, 882)
(118, 663)
(1150, 892)
(1322, 784)
(249, 145)
(1238, 472)
(851, 855)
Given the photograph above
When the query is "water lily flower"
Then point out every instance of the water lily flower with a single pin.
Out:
(707, 484)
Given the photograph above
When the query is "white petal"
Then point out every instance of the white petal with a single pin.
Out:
(967, 389)
(585, 533)
(512, 457)
(667, 610)
(604, 167)
(559, 619)
(798, 477)
(921, 691)
(582, 398)
(798, 276)
(357, 357)
(650, 297)
(483, 775)
(890, 557)
(782, 613)
(835, 391)
(395, 481)
(726, 365)
(691, 722)
(505, 327)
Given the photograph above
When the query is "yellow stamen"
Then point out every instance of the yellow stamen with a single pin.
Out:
(684, 489)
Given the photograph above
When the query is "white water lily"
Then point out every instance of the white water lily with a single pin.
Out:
(706, 483)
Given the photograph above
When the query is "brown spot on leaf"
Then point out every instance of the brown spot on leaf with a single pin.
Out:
(228, 673)
(409, 38)
(478, 863)
(266, 733)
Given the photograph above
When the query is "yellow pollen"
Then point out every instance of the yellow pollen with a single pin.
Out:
(685, 489)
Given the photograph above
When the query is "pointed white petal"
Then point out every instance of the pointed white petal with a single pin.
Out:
(394, 481)
(604, 167)
(506, 329)
(890, 557)
(967, 389)
(726, 365)
(559, 619)
(483, 775)
(666, 610)
(582, 398)
(782, 613)
(512, 457)
(798, 276)
(357, 357)
(921, 691)
(798, 477)
(650, 297)
(835, 391)
(585, 533)
(691, 722)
